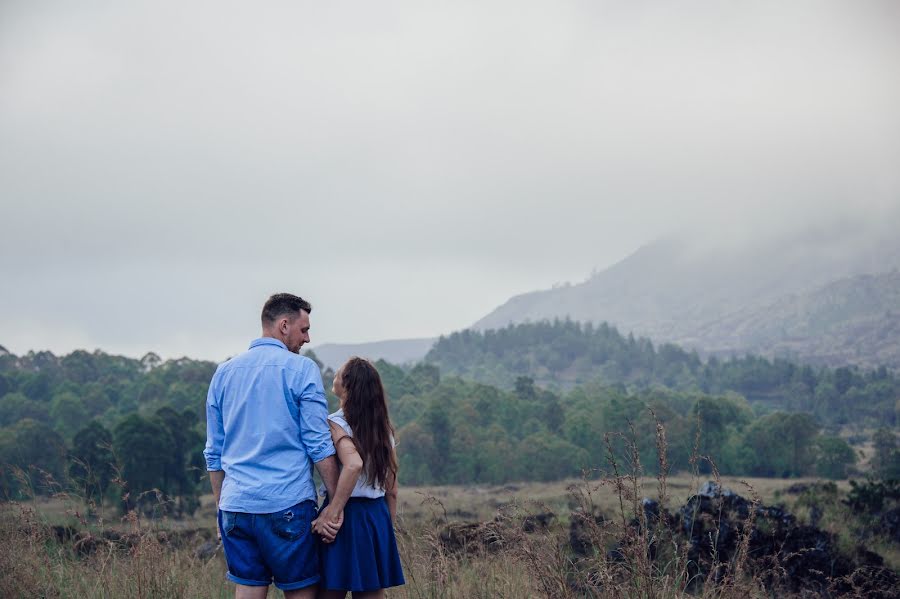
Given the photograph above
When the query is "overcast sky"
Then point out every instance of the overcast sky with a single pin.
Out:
(407, 166)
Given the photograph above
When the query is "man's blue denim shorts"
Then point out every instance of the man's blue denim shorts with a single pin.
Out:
(279, 546)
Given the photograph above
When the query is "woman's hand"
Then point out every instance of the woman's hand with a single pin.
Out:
(328, 523)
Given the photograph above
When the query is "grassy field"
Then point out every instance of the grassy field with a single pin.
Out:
(162, 557)
(482, 502)
(423, 505)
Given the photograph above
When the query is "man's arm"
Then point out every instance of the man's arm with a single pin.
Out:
(215, 479)
(215, 439)
(328, 470)
(314, 431)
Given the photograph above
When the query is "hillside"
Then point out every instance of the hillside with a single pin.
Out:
(855, 320)
(799, 296)
(565, 354)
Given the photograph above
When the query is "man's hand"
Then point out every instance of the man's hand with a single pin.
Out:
(328, 523)
(216, 478)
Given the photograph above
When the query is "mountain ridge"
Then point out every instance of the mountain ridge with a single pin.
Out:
(672, 291)
(769, 297)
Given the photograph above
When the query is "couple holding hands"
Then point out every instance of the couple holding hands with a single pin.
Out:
(267, 425)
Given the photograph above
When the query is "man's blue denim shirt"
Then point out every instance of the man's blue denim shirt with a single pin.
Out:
(266, 423)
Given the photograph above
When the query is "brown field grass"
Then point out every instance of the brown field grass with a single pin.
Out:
(420, 505)
(148, 563)
(476, 502)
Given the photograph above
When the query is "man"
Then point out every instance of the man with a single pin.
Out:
(265, 426)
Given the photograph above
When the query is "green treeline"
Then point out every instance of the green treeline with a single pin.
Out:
(460, 432)
(565, 354)
(531, 402)
(107, 427)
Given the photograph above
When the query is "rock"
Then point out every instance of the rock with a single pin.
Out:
(713, 489)
(815, 515)
(864, 557)
(869, 582)
(541, 521)
(788, 556)
(808, 557)
(471, 537)
(206, 551)
(653, 512)
(584, 531)
(63, 534)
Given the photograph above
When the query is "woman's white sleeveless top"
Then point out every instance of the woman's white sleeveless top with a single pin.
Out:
(363, 488)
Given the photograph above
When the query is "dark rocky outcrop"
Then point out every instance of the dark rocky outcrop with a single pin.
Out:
(720, 527)
(86, 542)
(471, 537)
(784, 554)
(583, 527)
(538, 522)
(869, 582)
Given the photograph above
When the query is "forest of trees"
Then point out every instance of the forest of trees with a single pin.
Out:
(106, 427)
(457, 431)
(565, 354)
(529, 402)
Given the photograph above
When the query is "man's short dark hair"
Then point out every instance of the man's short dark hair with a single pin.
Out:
(283, 303)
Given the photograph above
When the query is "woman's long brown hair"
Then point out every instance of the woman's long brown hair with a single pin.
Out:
(365, 409)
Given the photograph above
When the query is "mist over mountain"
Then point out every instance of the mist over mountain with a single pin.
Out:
(825, 296)
(855, 320)
(828, 295)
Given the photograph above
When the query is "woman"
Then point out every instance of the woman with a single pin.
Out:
(363, 558)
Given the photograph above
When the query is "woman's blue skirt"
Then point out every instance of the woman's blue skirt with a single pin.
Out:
(363, 556)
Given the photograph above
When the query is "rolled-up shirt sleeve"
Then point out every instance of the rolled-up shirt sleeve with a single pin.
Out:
(215, 430)
(313, 413)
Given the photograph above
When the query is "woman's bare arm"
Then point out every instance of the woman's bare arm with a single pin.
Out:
(351, 466)
(390, 493)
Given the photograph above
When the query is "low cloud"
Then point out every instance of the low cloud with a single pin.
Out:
(164, 167)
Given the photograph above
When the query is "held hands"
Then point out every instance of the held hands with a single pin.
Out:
(328, 523)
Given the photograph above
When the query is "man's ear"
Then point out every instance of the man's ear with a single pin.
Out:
(283, 326)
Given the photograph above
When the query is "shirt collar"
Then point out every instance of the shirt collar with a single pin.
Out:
(267, 341)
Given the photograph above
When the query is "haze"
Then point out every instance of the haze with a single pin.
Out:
(409, 166)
